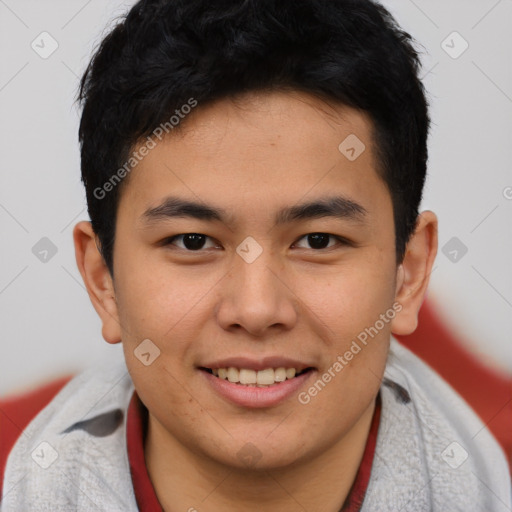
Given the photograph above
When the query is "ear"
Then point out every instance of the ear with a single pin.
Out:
(97, 280)
(413, 274)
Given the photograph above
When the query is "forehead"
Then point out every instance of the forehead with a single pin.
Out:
(260, 151)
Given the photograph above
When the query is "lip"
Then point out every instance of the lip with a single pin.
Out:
(257, 365)
(255, 397)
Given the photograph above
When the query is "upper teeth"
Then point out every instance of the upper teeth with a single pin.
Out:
(265, 377)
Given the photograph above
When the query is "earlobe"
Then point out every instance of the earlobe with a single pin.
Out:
(97, 280)
(413, 274)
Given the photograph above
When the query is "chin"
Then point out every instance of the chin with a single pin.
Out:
(259, 454)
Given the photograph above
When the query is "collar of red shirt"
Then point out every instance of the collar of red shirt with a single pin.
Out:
(145, 495)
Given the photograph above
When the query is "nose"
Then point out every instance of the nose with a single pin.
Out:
(256, 298)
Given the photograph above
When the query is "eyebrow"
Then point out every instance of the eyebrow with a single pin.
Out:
(337, 206)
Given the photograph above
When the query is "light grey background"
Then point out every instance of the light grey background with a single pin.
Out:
(48, 324)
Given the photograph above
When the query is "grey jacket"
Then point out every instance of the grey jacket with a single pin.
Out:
(432, 453)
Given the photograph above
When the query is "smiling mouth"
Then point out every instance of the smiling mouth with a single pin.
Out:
(269, 377)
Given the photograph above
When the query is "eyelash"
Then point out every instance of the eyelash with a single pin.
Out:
(341, 241)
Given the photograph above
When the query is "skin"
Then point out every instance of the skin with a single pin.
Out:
(253, 156)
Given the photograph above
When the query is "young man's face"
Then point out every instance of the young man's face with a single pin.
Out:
(278, 295)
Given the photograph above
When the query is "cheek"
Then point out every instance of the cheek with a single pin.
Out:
(155, 302)
(352, 297)
(163, 312)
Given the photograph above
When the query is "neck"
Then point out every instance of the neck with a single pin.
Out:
(188, 481)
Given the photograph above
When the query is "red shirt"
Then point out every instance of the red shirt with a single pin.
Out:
(145, 493)
(15, 414)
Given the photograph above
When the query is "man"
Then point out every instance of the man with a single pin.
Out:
(253, 173)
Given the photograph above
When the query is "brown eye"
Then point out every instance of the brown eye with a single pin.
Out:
(319, 241)
(189, 241)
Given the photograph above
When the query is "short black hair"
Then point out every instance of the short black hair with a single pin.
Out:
(163, 54)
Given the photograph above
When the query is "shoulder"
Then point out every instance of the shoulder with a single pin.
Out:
(432, 392)
(439, 403)
(17, 411)
(433, 444)
(79, 433)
